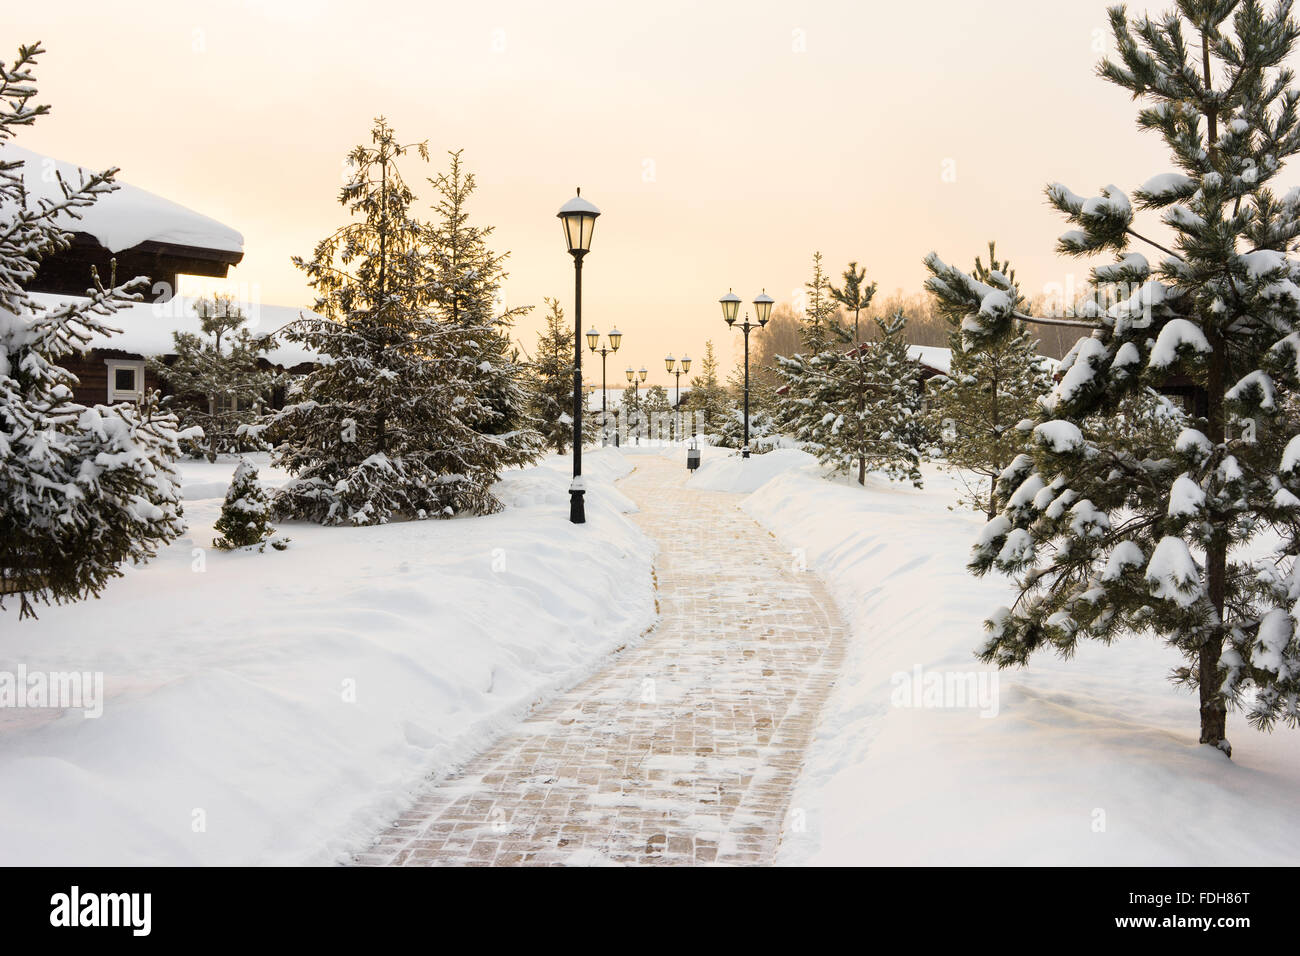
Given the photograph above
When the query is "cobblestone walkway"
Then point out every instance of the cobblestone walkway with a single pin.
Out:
(682, 750)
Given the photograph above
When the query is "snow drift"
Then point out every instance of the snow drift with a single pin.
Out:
(1090, 761)
(280, 708)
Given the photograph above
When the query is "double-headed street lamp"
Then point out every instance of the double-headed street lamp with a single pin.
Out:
(684, 366)
(593, 339)
(578, 216)
(762, 311)
(636, 395)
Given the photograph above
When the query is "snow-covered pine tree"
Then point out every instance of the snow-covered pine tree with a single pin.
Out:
(988, 391)
(82, 489)
(855, 295)
(632, 410)
(218, 383)
(591, 436)
(731, 433)
(245, 518)
(388, 424)
(1104, 540)
(466, 279)
(858, 404)
(762, 404)
(707, 401)
(551, 392)
(657, 410)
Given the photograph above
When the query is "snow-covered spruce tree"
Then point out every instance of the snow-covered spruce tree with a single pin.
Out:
(632, 410)
(821, 319)
(657, 410)
(819, 332)
(893, 434)
(988, 391)
(858, 404)
(731, 433)
(217, 379)
(245, 518)
(763, 400)
(1103, 539)
(551, 380)
(82, 489)
(591, 436)
(466, 278)
(388, 424)
(707, 401)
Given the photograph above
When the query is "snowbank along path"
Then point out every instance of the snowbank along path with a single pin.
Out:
(684, 749)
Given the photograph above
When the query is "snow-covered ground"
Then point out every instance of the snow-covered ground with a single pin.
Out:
(1089, 761)
(280, 708)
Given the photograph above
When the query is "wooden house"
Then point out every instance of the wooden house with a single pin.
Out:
(145, 235)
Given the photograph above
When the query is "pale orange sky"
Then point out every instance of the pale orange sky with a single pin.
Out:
(724, 142)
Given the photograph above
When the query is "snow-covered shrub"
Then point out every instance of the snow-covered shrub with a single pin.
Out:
(246, 513)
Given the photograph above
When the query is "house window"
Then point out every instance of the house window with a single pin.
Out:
(125, 381)
(231, 403)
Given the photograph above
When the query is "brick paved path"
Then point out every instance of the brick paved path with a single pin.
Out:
(683, 749)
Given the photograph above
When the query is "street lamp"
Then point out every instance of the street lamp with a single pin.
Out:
(593, 339)
(578, 217)
(636, 395)
(762, 312)
(683, 366)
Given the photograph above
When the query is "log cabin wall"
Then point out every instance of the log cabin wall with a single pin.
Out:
(92, 369)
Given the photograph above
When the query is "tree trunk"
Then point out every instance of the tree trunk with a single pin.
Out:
(1214, 714)
(862, 401)
(1209, 674)
(212, 439)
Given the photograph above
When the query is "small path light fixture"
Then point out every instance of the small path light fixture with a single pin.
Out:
(683, 366)
(762, 312)
(593, 339)
(578, 216)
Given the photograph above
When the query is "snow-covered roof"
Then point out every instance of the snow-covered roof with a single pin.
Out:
(147, 327)
(125, 217)
(933, 356)
(940, 359)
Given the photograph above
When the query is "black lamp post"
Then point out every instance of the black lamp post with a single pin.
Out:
(636, 395)
(578, 216)
(762, 311)
(683, 366)
(593, 339)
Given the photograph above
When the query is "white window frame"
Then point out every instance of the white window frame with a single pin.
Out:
(116, 394)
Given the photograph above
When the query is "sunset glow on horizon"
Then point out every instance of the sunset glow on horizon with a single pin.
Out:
(724, 144)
